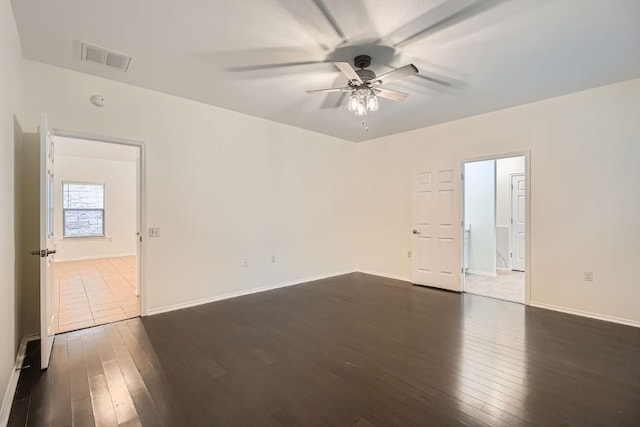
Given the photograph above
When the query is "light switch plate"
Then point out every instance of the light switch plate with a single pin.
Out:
(154, 232)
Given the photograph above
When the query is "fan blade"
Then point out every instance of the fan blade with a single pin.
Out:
(333, 89)
(348, 71)
(393, 95)
(400, 73)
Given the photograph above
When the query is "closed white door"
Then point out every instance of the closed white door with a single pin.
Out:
(436, 229)
(47, 244)
(518, 215)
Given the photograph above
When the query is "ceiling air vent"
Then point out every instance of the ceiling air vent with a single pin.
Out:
(100, 55)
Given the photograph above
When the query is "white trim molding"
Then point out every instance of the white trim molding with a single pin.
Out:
(93, 257)
(388, 276)
(7, 401)
(229, 295)
(588, 314)
(480, 273)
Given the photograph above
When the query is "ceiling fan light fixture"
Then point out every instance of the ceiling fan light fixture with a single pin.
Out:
(354, 100)
(361, 110)
(372, 102)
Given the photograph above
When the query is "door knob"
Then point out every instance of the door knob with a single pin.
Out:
(416, 232)
(43, 253)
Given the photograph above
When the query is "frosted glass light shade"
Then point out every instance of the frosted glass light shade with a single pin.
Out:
(372, 103)
(361, 110)
(352, 105)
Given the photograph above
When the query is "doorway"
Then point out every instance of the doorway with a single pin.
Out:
(97, 190)
(494, 227)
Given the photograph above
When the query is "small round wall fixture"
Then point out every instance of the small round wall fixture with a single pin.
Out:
(97, 100)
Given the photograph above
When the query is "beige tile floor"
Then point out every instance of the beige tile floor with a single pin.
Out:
(94, 292)
(507, 285)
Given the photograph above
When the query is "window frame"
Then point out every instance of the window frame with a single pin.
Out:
(103, 210)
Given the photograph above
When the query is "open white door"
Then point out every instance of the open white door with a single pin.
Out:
(518, 222)
(436, 229)
(47, 243)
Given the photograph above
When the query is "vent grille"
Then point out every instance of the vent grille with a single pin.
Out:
(100, 55)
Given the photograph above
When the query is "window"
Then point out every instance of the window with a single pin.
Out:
(83, 209)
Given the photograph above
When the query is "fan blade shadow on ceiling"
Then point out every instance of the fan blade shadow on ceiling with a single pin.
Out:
(345, 20)
(330, 19)
(316, 19)
(272, 66)
(334, 100)
(443, 16)
(265, 59)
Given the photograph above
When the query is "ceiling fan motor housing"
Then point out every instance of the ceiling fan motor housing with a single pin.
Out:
(362, 61)
(366, 75)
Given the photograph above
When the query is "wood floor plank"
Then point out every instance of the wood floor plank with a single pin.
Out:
(354, 350)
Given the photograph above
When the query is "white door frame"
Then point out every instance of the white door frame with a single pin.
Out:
(527, 199)
(142, 217)
(511, 227)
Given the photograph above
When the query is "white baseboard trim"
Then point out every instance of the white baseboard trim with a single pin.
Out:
(588, 314)
(92, 257)
(229, 295)
(388, 276)
(480, 273)
(7, 401)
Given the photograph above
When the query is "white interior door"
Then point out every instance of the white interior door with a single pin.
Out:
(436, 229)
(47, 244)
(518, 215)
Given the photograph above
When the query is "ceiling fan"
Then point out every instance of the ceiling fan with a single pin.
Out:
(364, 86)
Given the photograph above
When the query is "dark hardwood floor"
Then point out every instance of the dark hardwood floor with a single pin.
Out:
(352, 350)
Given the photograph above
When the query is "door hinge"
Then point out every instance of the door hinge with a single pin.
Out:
(462, 176)
(511, 220)
(510, 254)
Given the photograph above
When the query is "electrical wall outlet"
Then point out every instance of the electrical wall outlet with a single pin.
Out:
(588, 276)
(408, 254)
(273, 259)
(245, 263)
(154, 232)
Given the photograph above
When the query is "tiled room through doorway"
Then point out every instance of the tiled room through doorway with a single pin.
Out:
(507, 285)
(94, 292)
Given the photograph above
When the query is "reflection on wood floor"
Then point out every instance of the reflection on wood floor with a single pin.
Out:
(94, 292)
(352, 350)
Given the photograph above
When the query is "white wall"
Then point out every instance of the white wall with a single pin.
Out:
(479, 215)
(10, 107)
(584, 192)
(504, 168)
(119, 178)
(222, 186)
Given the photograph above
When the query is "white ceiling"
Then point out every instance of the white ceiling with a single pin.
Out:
(494, 54)
(94, 150)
